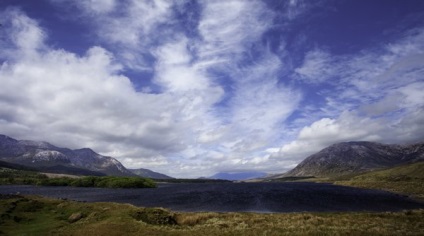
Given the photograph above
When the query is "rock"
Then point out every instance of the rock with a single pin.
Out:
(75, 217)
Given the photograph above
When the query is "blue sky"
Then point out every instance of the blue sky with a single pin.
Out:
(191, 88)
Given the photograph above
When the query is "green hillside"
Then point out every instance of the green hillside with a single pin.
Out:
(405, 179)
(19, 177)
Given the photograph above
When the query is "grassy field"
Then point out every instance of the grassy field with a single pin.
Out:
(41, 216)
(406, 179)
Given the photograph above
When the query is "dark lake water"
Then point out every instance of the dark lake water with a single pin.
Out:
(235, 197)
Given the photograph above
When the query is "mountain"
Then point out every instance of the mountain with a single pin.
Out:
(356, 157)
(44, 156)
(9, 165)
(238, 175)
(146, 173)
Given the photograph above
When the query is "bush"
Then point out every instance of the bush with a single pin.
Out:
(64, 181)
(89, 181)
(124, 182)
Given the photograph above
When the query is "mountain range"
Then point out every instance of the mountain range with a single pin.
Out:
(356, 157)
(245, 175)
(149, 174)
(336, 160)
(45, 157)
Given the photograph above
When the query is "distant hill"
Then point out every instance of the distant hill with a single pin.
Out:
(238, 175)
(356, 157)
(46, 157)
(146, 173)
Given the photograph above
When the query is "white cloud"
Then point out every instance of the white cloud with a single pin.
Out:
(326, 131)
(135, 27)
(227, 27)
(174, 69)
(260, 104)
(129, 28)
(23, 33)
(97, 6)
(61, 93)
(317, 67)
(79, 101)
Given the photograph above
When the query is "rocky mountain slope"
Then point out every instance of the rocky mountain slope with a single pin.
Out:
(146, 173)
(44, 156)
(355, 157)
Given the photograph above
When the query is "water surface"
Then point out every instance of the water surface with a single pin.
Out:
(235, 197)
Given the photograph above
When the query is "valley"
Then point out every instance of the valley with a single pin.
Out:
(336, 191)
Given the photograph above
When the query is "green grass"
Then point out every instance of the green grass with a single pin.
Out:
(414, 171)
(32, 215)
(406, 179)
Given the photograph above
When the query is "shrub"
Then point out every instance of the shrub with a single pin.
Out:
(124, 182)
(64, 181)
(89, 181)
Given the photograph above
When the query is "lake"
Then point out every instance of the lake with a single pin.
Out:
(235, 197)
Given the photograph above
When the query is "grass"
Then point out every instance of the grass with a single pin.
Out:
(405, 179)
(32, 215)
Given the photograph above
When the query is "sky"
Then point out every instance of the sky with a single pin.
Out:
(191, 88)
